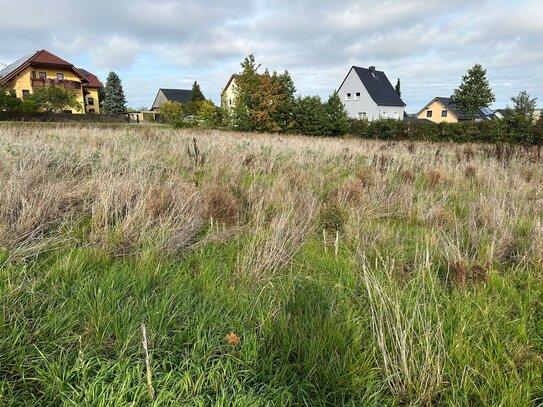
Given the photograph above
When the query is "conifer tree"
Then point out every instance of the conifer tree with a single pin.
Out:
(474, 92)
(114, 100)
(338, 118)
(398, 88)
(197, 95)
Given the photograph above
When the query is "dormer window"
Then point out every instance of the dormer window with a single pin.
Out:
(348, 96)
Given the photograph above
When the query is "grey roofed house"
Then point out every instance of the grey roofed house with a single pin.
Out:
(367, 94)
(173, 95)
(379, 87)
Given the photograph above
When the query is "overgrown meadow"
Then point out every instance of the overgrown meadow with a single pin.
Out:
(151, 266)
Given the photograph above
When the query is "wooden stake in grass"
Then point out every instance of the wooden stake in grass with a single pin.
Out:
(336, 243)
(324, 238)
(148, 363)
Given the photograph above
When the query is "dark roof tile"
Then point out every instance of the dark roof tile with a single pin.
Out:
(379, 87)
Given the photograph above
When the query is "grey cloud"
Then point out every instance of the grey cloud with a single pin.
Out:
(428, 44)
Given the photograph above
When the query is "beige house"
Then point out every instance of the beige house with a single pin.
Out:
(229, 93)
(442, 110)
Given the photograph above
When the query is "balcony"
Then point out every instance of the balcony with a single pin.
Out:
(65, 83)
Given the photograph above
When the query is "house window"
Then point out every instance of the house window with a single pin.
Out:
(396, 115)
(43, 75)
(443, 113)
(26, 93)
(60, 76)
(384, 115)
(357, 96)
(90, 101)
(429, 113)
(348, 96)
(361, 115)
(33, 74)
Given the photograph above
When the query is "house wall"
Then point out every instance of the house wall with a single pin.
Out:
(229, 95)
(93, 93)
(160, 98)
(436, 107)
(23, 81)
(366, 104)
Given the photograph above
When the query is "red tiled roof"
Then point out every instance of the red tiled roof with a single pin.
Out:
(42, 57)
(94, 82)
(45, 57)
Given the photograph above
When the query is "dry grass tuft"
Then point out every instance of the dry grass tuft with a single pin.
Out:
(221, 205)
(470, 172)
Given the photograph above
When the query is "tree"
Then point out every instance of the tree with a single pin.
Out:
(171, 112)
(208, 114)
(269, 95)
(520, 118)
(53, 99)
(8, 101)
(524, 106)
(247, 98)
(398, 88)
(197, 95)
(310, 117)
(284, 107)
(114, 100)
(474, 92)
(338, 119)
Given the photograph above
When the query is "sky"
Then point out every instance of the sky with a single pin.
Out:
(154, 44)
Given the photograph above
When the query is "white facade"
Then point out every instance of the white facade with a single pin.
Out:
(360, 105)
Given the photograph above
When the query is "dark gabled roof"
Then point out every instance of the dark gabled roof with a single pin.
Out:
(379, 87)
(175, 95)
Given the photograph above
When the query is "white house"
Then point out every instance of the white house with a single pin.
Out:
(368, 94)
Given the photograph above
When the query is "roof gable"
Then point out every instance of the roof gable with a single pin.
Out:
(484, 113)
(45, 57)
(173, 95)
(39, 58)
(232, 78)
(378, 86)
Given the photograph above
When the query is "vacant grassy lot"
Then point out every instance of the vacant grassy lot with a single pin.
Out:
(266, 270)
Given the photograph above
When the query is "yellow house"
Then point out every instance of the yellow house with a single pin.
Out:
(42, 69)
(442, 110)
(229, 93)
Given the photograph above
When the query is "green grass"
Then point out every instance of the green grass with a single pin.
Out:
(435, 296)
(71, 334)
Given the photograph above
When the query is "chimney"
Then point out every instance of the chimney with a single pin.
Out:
(372, 69)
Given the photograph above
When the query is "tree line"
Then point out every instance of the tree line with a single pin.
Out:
(264, 102)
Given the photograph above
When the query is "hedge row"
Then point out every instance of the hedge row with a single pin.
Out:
(494, 131)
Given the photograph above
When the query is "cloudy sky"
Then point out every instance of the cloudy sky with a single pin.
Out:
(171, 43)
